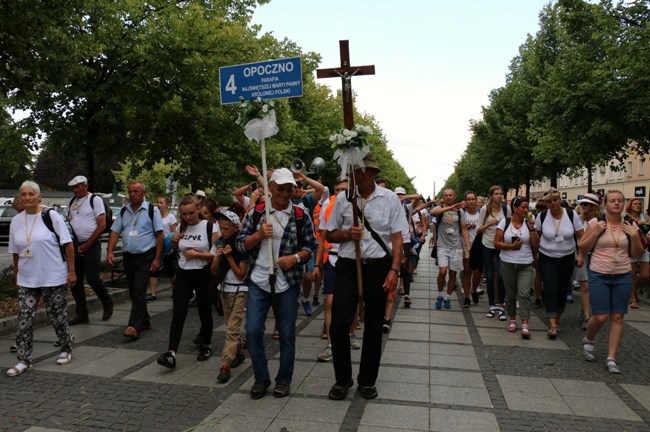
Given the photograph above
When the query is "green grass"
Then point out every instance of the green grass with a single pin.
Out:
(7, 285)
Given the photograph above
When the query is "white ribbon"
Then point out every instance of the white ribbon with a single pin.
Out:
(259, 129)
(352, 157)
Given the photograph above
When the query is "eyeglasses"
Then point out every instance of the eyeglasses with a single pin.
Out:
(285, 189)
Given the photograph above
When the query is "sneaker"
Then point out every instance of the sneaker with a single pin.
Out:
(588, 350)
(150, 298)
(239, 359)
(585, 323)
(538, 303)
(569, 298)
(439, 301)
(576, 286)
(204, 353)
(194, 302)
(480, 291)
(467, 303)
(407, 301)
(315, 301)
(224, 374)
(612, 366)
(512, 327)
(354, 342)
(64, 357)
(447, 303)
(167, 359)
(401, 291)
(387, 325)
(475, 297)
(326, 355)
(306, 306)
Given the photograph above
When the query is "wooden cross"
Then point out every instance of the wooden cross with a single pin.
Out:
(346, 72)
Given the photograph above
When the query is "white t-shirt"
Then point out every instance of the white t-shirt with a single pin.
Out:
(195, 237)
(260, 273)
(485, 218)
(522, 256)
(167, 222)
(557, 236)
(39, 261)
(471, 222)
(83, 217)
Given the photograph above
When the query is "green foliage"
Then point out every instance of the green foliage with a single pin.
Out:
(153, 178)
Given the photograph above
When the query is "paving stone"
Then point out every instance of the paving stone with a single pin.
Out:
(404, 374)
(639, 392)
(470, 421)
(538, 339)
(408, 359)
(402, 391)
(406, 347)
(451, 362)
(316, 410)
(413, 418)
(600, 407)
(306, 426)
(235, 423)
(465, 396)
(456, 379)
(96, 361)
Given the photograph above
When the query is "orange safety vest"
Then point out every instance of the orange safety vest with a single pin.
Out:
(328, 212)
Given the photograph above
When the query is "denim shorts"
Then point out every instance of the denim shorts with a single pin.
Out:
(329, 278)
(609, 293)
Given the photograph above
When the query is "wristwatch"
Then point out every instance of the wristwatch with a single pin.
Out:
(298, 260)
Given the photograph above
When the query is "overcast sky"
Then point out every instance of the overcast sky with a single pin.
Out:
(436, 63)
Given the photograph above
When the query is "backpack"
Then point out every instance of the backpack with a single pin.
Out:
(47, 220)
(108, 211)
(298, 217)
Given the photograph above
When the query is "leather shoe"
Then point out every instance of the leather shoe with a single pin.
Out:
(368, 392)
(281, 390)
(108, 312)
(259, 389)
(131, 332)
(79, 319)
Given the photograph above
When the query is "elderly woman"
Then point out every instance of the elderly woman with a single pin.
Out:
(613, 242)
(559, 230)
(43, 266)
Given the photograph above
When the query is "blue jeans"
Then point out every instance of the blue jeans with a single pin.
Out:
(285, 305)
(492, 263)
(609, 293)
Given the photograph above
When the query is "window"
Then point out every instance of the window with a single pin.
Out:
(641, 166)
(620, 174)
(611, 174)
(628, 168)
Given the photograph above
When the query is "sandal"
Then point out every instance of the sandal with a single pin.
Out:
(491, 313)
(525, 333)
(19, 368)
(634, 305)
(339, 392)
(502, 315)
(64, 357)
(552, 332)
(512, 327)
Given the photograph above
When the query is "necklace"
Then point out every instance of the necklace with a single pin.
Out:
(277, 220)
(615, 239)
(78, 204)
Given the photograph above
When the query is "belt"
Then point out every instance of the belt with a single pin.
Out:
(333, 253)
(374, 260)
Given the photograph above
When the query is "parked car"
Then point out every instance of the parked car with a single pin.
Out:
(6, 213)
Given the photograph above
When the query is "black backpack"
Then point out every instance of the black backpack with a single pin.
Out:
(47, 220)
(107, 209)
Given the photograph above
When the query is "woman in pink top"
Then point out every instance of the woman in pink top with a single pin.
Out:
(614, 242)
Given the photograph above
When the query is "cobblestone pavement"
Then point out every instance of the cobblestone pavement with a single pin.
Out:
(442, 370)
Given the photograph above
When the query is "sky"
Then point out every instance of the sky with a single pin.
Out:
(436, 63)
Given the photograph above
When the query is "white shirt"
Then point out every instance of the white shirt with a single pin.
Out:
(557, 236)
(471, 222)
(260, 273)
(194, 237)
(44, 267)
(83, 217)
(384, 213)
(522, 256)
(167, 222)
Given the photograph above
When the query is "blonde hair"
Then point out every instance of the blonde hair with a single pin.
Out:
(493, 189)
(612, 191)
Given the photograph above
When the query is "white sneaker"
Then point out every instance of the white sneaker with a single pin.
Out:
(65, 357)
(326, 355)
(354, 342)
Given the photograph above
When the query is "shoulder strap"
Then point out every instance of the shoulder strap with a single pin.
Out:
(460, 227)
(373, 233)
(92, 201)
(299, 216)
(122, 210)
(504, 208)
(70, 204)
(505, 228)
(151, 210)
(542, 216)
(47, 220)
(209, 227)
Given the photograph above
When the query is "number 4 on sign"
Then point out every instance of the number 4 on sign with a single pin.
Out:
(230, 85)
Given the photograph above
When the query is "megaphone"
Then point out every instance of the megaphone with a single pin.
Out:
(317, 164)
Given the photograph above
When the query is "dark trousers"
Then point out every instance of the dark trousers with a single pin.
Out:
(186, 281)
(87, 266)
(556, 276)
(344, 307)
(137, 268)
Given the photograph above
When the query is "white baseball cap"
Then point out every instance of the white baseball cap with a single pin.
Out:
(200, 193)
(282, 176)
(400, 191)
(79, 179)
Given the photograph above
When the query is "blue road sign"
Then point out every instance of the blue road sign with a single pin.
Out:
(273, 79)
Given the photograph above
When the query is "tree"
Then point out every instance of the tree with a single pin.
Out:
(14, 154)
